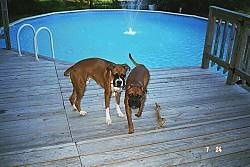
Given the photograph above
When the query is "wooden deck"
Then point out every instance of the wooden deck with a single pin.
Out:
(208, 122)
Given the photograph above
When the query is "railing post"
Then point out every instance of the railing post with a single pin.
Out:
(209, 39)
(5, 18)
(237, 54)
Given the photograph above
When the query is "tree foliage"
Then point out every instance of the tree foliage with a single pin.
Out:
(21, 8)
(201, 7)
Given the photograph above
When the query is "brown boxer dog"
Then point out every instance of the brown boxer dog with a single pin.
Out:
(136, 88)
(107, 74)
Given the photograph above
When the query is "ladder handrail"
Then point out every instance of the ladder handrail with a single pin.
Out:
(51, 42)
(35, 32)
(18, 39)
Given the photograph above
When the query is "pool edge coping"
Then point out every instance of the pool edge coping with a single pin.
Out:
(86, 10)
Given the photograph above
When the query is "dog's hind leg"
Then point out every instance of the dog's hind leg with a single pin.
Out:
(79, 85)
(79, 95)
(72, 99)
(117, 105)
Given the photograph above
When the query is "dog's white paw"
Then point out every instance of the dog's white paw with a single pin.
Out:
(83, 113)
(118, 110)
(108, 119)
(121, 115)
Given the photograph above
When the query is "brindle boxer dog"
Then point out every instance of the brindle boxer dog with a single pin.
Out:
(136, 88)
(109, 75)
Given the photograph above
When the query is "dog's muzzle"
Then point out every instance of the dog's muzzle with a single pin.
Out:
(134, 101)
(119, 81)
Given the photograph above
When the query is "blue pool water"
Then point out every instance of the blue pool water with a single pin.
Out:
(161, 39)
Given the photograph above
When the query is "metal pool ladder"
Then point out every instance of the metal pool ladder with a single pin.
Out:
(35, 40)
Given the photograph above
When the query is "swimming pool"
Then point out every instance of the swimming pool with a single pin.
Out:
(161, 40)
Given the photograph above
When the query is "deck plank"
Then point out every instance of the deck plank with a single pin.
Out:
(190, 131)
(32, 156)
(165, 144)
(39, 128)
(34, 94)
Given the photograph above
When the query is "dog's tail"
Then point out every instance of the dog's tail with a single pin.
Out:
(67, 72)
(131, 58)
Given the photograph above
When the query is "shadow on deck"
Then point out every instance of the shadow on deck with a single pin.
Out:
(208, 122)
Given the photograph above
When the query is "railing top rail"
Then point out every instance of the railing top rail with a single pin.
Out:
(229, 14)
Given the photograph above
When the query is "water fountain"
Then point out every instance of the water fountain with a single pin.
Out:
(131, 5)
(130, 31)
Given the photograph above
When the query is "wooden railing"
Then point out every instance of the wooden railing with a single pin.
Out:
(5, 19)
(227, 43)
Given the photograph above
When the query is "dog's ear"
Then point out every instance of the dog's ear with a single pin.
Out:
(144, 90)
(126, 67)
(129, 86)
(110, 67)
